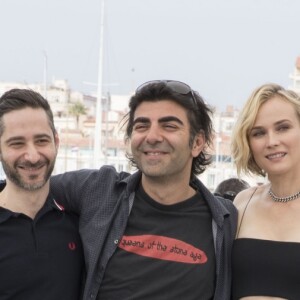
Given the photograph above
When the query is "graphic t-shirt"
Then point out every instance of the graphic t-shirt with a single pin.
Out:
(166, 252)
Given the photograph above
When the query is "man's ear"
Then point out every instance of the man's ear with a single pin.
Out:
(198, 144)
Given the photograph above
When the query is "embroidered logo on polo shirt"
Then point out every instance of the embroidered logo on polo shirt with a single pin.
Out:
(72, 246)
(60, 207)
(164, 248)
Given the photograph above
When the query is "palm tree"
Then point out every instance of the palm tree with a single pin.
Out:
(77, 109)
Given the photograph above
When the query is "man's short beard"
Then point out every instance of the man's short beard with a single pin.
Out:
(15, 177)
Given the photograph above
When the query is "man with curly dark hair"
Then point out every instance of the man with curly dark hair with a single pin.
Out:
(158, 233)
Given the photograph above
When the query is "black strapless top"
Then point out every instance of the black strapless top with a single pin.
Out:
(265, 268)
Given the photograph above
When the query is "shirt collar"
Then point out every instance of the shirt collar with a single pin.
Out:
(50, 204)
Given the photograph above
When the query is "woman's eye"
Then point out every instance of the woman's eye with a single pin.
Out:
(257, 133)
(283, 128)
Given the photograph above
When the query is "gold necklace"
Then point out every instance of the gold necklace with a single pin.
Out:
(283, 199)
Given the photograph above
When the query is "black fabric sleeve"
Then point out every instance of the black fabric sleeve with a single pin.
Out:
(68, 188)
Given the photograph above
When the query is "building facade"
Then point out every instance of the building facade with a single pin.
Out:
(77, 132)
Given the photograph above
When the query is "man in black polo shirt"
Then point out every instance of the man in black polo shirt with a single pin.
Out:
(41, 253)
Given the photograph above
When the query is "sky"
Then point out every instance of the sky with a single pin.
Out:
(222, 48)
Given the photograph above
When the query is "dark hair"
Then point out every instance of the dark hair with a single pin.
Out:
(198, 114)
(229, 188)
(16, 99)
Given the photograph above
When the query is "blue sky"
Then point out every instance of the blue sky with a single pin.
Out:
(222, 48)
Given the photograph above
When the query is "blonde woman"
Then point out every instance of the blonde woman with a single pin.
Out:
(266, 142)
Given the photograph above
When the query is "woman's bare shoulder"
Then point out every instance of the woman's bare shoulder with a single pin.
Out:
(243, 197)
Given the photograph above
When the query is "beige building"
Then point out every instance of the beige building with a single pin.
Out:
(77, 138)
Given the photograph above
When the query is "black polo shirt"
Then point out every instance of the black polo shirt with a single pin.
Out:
(40, 258)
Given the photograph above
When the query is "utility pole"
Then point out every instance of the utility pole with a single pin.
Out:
(98, 125)
(45, 73)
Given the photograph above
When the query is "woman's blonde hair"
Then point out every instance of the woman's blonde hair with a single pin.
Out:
(241, 151)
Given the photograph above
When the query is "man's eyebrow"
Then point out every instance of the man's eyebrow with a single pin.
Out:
(161, 120)
(42, 135)
(170, 119)
(141, 120)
